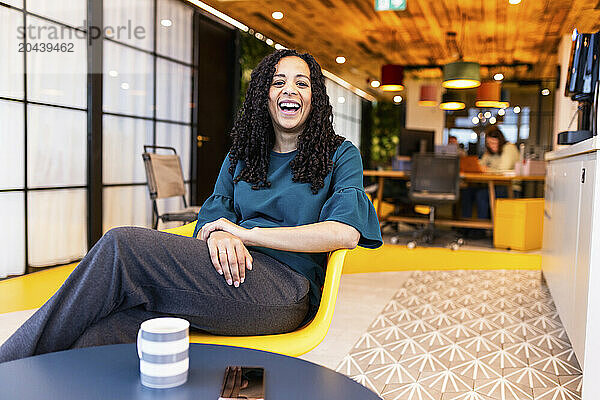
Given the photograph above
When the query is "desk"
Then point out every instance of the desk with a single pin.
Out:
(491, 179)
(112, 372)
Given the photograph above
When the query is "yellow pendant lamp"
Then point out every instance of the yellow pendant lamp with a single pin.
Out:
(489, 95)
(461, 75)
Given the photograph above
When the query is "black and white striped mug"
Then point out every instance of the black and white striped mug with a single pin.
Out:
(163, 348)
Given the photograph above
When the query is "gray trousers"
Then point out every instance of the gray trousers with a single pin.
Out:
(133, 274)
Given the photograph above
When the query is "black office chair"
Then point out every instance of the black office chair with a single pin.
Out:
(165, 179)
(434, 181)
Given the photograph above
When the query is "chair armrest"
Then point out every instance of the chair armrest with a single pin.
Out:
(185, 230)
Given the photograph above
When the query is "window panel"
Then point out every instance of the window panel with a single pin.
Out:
(56, 226)
(12, 152)
(56, 77)
(125, 206)
(12, 240)
(179, 137)
(128, 81)
(174, 30)
(123, 144)
(56, 147)
(137, 15)
(11, 67)
(70, 12)
(173, 91)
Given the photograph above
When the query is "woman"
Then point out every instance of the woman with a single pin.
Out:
(289, 191)
(500, 156)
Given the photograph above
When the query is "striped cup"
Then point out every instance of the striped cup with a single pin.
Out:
(163, 345)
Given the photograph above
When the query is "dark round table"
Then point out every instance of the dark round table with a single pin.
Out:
(112, 372)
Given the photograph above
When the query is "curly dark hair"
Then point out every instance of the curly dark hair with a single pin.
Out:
(253, 136)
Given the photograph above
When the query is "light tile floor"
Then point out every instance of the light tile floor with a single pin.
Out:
(467, 335)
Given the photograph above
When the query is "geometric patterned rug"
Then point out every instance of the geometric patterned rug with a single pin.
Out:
(467, 335)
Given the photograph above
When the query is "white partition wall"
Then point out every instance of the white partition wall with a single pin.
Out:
(148, 70)
(346, 111)
(147, 99)
(43, 133)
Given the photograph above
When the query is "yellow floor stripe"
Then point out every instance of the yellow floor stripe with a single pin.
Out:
(399, 258)
(31, 291)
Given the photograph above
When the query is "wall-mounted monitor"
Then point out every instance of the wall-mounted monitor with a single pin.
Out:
(583, 65)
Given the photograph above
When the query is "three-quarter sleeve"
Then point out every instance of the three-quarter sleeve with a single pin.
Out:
(220, 203)
(348, 202)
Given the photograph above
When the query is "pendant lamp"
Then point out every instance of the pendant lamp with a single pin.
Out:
(428, 97)
(489, 95)
(452, 101)
(392, 78)
(461, 75)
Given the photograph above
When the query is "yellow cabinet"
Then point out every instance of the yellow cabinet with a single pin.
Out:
(518, 224)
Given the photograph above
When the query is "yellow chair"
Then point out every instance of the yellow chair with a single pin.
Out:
(293, 343)
(33, 290)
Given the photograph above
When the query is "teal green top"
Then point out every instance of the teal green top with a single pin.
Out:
(288, 203)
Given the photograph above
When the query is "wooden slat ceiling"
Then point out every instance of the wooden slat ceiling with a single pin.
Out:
(428, 32)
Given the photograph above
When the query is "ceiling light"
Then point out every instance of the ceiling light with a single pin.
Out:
(279, 47)
(489, 95)
(487, 114)
(113, 73)
(392, 78)
(517, 109)
(501, 112)
(473, 136)
(124, 85)
(493, 120)
(545, 92)
(375, 84)
(397, 99)
(480, 115)
(341, 99)
(475, 120)
(340, 60)
(451, 101)
(277, 15)
(166, 22)
(498, 77)
(259, 36)
(269, 42)
(428, 97)
(461, 75)
(514, 1)
(219, 14)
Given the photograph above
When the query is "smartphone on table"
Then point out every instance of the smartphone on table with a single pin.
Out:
(243, 383)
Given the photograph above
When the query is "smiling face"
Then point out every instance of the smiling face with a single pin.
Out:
(290, 95)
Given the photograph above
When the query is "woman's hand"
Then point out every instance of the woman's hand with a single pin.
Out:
(229, 256)
(222, 224)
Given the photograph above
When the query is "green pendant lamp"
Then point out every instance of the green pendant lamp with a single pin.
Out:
(461, 75)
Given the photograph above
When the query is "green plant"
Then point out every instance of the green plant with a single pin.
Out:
(252, 51)
(388, 120)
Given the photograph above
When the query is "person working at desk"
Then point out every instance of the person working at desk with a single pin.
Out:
(289, 191)
(452, 140)
(500, 156)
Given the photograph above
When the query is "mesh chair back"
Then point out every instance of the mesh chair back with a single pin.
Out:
(165, 176)
(434, 177)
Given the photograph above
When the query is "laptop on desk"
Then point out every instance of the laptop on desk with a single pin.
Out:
(471, 164)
